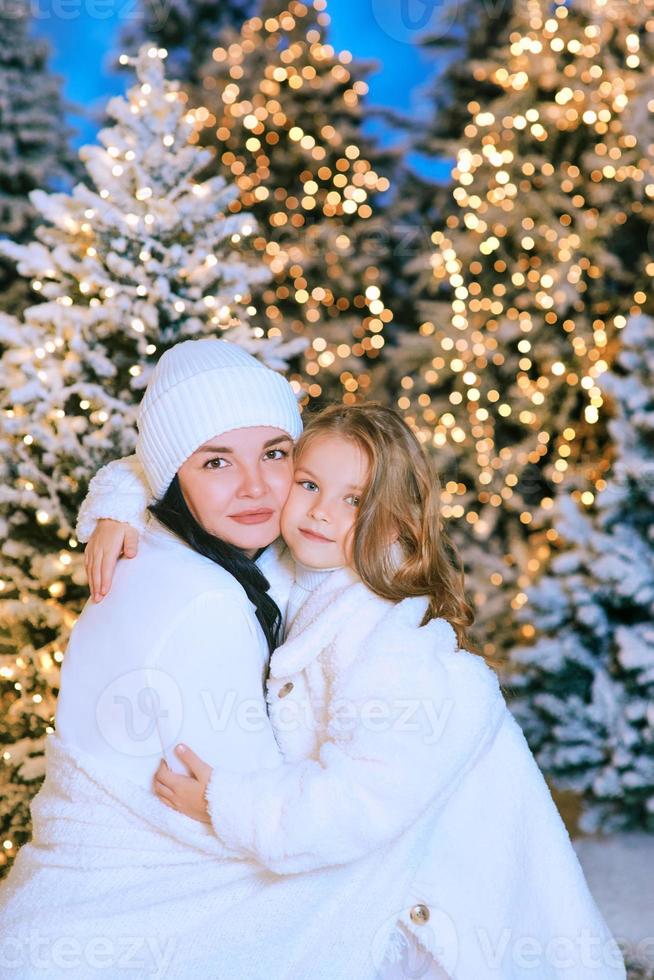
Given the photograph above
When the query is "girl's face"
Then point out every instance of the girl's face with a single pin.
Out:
(318, 518)
(236, 484)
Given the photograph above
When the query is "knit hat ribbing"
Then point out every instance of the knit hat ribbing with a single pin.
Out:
(200, 389)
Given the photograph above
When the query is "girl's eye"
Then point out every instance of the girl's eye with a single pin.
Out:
(308, 485)
(283, 453)
(354, 500)
(209, 465)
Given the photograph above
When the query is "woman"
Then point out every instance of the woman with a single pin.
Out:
(113, 880)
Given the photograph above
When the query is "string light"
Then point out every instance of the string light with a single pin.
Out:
(309, 184)
(536, 304)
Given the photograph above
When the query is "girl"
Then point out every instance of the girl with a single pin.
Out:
(397, 745)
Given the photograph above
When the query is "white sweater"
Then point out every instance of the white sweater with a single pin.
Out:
(173, 653)
(306, 581)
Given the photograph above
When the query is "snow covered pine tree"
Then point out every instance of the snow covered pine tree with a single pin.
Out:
(142, 258)
(34, 150)
(583, 691)
(536, 262)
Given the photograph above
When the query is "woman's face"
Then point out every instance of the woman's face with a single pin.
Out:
(236, 484)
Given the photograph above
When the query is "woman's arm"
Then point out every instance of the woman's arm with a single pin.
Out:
(421, 719)
(111, 517)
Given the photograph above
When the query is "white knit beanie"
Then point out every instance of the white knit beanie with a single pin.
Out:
(200, 389)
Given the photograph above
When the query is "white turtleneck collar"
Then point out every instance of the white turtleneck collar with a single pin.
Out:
(307, 581)
(310, 578)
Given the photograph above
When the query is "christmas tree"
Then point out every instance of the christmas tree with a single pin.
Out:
(584, 689)
(284, 113)
(536, 261)
(188, 29)
(418, 203)
(33, 137)
(141, 257)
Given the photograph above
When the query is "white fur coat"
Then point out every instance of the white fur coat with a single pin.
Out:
(115, 884)
(397, 744)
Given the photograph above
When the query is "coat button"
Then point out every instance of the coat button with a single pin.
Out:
(286, 689)
(419, 914)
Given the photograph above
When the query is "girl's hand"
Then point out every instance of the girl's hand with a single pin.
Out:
(185, 793)
(109, 541)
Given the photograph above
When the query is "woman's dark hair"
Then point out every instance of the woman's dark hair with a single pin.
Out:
(173, 511)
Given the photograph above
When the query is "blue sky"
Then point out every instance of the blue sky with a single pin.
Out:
(82, 33)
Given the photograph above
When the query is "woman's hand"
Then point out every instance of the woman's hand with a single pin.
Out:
(185, 793)
(109, 541)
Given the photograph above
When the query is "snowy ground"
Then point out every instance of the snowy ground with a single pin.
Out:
(619, 870)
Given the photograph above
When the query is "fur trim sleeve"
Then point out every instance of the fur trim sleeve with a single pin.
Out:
(407, 722)
(118, 491)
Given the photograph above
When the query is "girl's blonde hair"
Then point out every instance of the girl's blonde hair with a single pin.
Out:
(400, 503)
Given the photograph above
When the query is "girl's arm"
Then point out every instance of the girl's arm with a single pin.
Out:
(421, 718)
(118, 491)
(111, 517)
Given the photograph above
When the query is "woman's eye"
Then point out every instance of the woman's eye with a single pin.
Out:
(283, 453)
(308, 485)
(213, 464)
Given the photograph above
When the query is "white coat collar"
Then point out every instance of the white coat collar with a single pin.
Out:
(341, 592)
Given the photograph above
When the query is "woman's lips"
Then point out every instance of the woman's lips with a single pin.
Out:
(252, 516)
(315, 537)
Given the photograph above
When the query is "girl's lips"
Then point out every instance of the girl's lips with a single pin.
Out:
(315, 537)
(253, 517)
